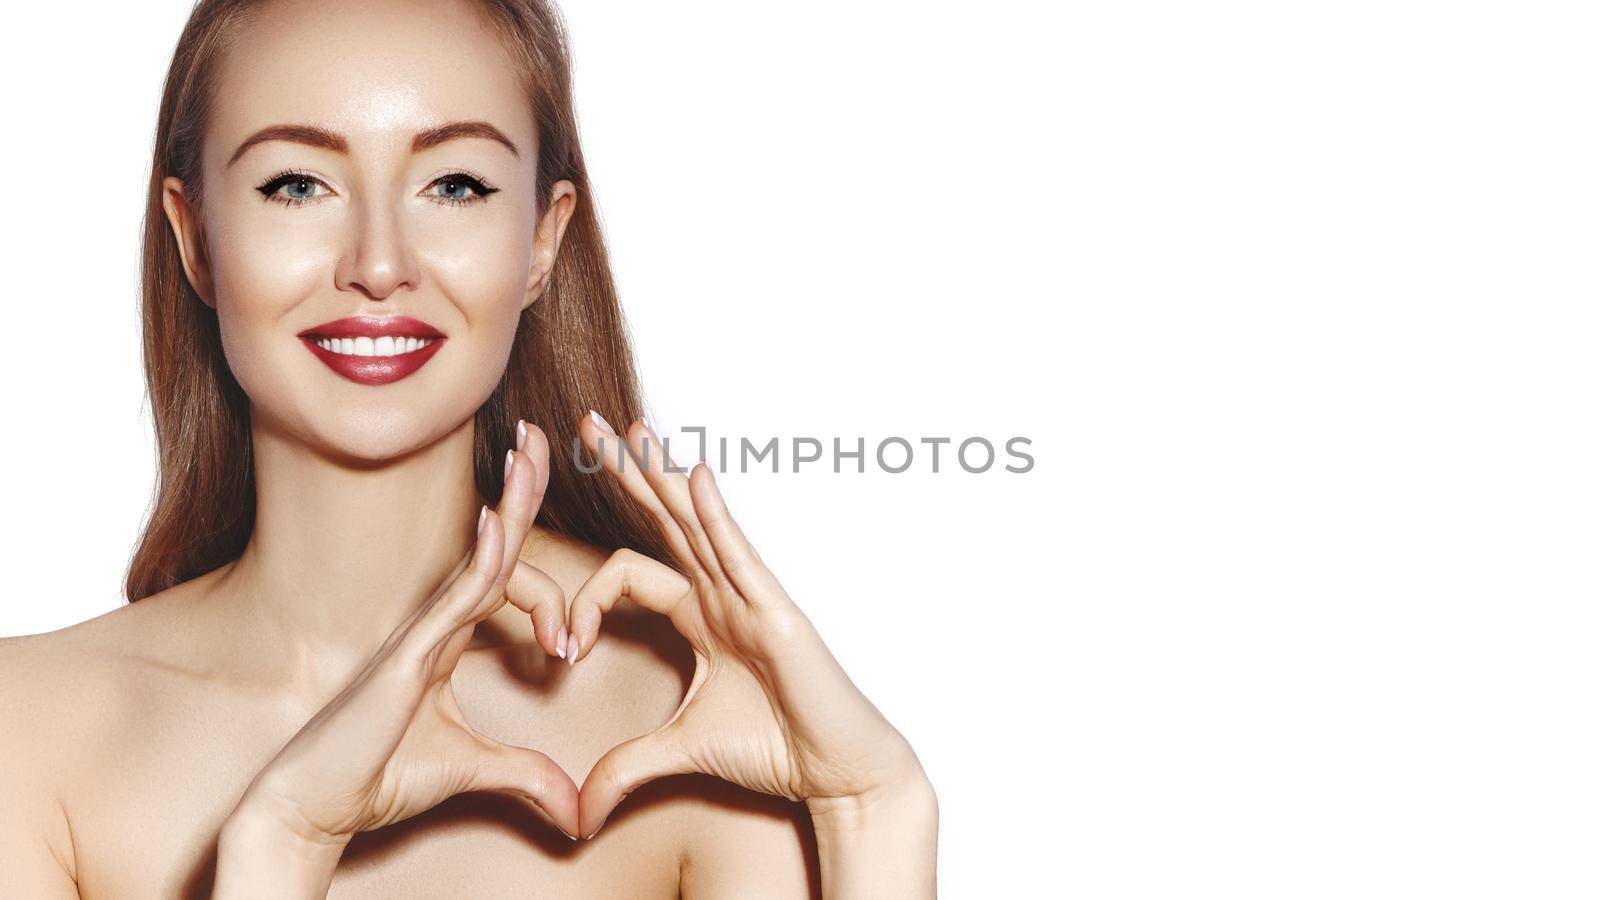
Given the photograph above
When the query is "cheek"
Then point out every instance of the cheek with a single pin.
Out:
(483, 272)
(261, 277)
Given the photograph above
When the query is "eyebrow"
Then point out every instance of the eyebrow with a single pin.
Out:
(315, 136)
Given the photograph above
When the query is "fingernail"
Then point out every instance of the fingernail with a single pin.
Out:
(561, 642)
(483, 513)
(601, 422)
(522, 434)
(507, 475)
(572, 649)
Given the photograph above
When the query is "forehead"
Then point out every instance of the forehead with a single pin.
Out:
(375, 70)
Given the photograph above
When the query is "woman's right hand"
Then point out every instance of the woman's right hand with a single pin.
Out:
(394, 742)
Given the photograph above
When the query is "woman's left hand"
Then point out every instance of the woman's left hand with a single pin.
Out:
(769, 708)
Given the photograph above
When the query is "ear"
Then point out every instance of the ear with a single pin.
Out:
(547, 238)
(185, 222)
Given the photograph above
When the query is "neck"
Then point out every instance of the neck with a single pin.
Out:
(343, 551)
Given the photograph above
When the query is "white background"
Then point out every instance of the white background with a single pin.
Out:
(1297, 303)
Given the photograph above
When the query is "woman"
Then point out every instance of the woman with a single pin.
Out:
(369, 257)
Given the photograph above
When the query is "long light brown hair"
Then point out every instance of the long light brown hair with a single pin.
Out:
(571, 350)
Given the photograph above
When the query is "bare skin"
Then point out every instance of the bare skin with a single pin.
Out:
(133, 739)
(141, 728)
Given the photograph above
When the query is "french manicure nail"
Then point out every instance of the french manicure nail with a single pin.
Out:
(572, 649)
(522, 434)
(561, 642)
(507, 475)
(600, 421)
(483, 513)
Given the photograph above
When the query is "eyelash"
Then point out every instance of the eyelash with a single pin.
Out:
(269, 189)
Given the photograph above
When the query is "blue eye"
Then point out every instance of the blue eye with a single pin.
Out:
(302, 188)
(457, 184)
(294, 188)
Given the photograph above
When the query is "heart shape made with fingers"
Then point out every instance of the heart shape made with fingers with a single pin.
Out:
(768, 707)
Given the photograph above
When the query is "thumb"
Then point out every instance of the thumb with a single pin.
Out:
(624, 769)
(532, 776)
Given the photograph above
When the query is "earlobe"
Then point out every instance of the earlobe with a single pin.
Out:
(547, 238)
(186, 230)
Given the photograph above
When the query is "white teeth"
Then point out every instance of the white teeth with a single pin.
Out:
(388, 345)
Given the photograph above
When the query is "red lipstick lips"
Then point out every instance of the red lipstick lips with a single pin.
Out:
(371, 349)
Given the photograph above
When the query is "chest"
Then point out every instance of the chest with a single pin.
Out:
(145, 813)
(473, 845)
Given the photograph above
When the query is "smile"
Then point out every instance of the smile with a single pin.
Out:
(373, 349)
(386, 345)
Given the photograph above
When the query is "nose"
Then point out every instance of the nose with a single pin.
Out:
(379, 259)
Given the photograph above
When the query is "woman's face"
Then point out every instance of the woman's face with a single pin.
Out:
(391, 194)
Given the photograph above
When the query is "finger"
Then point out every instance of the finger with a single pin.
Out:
(534, 444)
(735, 554)
(672, 490)
(616, 456)
(520, 498)
(532, 776)
(466, 591)
(628, 573)
(525, 481)
(468, 601)
(526, 478)
(449, 652)
(538, 595)
(517, 497)
(623, 770)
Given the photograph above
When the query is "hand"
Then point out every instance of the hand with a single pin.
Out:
(769, 708)
(394, 742)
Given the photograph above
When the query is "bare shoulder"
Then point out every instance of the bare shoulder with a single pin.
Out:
(46, 679)
(80, 709)
(64, 694)
(53, 687)
(35, 671)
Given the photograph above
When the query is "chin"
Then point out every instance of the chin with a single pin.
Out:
(299, 398)
(374, 432)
